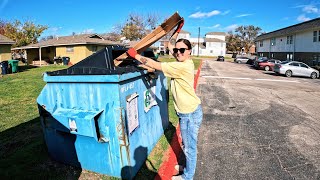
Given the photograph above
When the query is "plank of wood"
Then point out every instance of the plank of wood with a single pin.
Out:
(152, 37)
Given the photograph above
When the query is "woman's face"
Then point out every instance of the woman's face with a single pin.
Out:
(182, 56)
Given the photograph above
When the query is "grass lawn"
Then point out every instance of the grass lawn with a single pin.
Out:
(23, 153)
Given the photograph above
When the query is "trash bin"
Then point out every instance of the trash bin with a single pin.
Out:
(4, 67)
(14, 65)
(103, 118)
(65, 60)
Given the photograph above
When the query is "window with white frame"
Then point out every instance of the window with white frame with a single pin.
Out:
(261, 43)
(273, 41)
(69, 49)
(315, 35)
(289, 39)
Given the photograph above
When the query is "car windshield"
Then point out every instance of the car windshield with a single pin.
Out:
(284, 62)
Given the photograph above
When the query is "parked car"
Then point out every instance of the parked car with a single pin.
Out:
(220, 58)
(267, 64)
(241, 59)
(258, 60)
(295, 68)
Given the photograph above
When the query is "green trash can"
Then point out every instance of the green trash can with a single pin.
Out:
(14, 65)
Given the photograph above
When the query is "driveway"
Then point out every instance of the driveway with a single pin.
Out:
(257, 125)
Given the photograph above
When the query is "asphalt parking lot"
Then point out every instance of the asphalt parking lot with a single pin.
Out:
(257, 125)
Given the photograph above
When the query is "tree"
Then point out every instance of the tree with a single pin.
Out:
(112, 36)
(233, 42)
(247, 35)
(23, 33)
(137, 26)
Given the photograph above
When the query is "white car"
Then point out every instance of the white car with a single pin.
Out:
(295, 68)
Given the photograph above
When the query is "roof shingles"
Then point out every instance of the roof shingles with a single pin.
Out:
(5, 40)
(315, 23)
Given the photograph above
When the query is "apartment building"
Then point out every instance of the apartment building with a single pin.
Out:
(299, 42)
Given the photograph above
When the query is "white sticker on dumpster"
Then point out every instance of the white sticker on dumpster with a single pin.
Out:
(149, 98)
(72, 125)
(132, 112)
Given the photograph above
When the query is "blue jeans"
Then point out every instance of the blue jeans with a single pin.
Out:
(189, 126)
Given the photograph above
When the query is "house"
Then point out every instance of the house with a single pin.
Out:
(76, 47)
(5, 48)
(213, 44)
(300, 42)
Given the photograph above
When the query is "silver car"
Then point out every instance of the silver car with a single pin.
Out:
(295, 68)
(241, 60)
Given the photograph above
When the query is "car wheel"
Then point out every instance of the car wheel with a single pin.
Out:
(313, 75)
(267, 68)
(238, 62)
(288, 73)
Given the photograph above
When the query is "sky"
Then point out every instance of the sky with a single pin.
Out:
(63, 17)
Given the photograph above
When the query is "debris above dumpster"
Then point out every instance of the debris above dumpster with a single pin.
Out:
(152, 37)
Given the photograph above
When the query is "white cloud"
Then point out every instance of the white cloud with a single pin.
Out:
(225, 12)
(216, 26)
(231, 27)
(204, 14)
(88, 31)
(243, 15)
(310, 9)
(303, 18)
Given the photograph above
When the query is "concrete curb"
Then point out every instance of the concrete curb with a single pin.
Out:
(166, 170)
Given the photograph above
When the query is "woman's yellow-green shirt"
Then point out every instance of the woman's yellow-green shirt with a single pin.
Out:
(182, 80)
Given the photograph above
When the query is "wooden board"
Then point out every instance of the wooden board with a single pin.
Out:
(152, 37)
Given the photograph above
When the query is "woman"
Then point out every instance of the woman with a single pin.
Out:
(186, 102)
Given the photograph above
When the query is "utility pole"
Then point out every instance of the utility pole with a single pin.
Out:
(198, 41)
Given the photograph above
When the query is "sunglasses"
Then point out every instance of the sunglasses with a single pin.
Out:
(182, 50)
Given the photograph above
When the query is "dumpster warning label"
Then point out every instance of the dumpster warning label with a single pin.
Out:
(149, 98)
(132, 112)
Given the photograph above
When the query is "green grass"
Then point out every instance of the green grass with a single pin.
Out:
(23, 153)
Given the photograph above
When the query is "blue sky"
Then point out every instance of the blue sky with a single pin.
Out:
(100, 16)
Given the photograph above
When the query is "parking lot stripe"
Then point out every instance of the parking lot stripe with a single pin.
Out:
(277, 80)
(239, 78)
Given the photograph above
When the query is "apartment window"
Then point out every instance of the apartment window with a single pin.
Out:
(315, 35)
(70, 49)
(289, 57)
(289, 39)
(261, 44)
(273, 41)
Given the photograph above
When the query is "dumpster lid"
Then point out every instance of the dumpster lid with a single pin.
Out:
(101, 63)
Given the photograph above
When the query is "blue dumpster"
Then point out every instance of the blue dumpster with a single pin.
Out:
(4, 67)
(103, 118)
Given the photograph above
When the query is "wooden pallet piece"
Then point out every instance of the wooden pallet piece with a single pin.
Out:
(152, 37)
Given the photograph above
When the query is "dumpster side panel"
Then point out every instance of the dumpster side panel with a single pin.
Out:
(83, 120)
(151, 122)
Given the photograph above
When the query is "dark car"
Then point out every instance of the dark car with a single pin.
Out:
(220, 58)
(258, 60)
(268, 64)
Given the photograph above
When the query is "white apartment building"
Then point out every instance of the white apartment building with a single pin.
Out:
(213, 44)
(299, 42)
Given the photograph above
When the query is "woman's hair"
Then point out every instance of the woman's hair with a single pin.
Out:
(186, 42)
